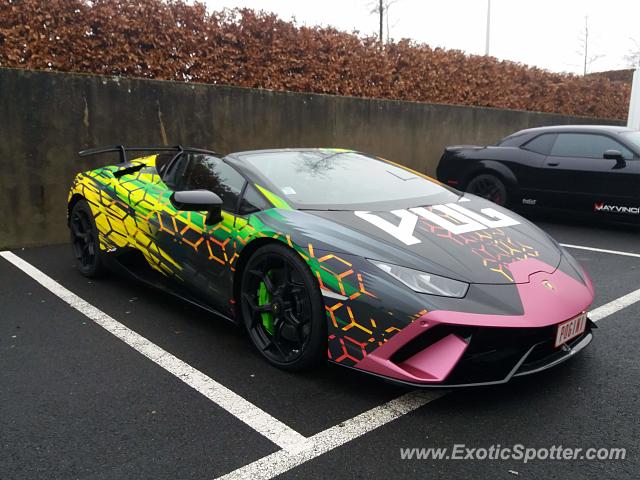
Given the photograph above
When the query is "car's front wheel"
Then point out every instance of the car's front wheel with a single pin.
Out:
(490, 187)
(282, 308)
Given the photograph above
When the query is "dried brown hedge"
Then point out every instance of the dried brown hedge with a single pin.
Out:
(175, 41)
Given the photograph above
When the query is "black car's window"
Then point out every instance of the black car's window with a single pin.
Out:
(541, 144)
(513, 140)
(207, 172)
(587, 146)
(252, 201)
(321, 178)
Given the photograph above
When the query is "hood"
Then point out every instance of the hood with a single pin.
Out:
(470, 239)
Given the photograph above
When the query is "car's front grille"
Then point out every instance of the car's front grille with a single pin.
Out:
(494, 352)
(546, 352)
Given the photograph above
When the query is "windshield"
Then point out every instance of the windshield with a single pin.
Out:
(633, 137)
(343, 179)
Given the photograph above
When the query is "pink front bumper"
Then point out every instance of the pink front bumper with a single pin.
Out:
(548, 297)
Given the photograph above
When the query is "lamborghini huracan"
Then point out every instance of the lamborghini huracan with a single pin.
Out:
(335, 254)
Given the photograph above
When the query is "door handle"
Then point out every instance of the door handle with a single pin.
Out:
(553, 164)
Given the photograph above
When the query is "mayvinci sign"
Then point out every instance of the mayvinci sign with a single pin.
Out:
(466, 220)
(603, 207)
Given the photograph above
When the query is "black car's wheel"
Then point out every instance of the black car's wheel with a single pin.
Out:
(490, 187)
(84, 240)
(282, 308)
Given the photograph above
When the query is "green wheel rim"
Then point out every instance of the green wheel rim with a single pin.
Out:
(264, 298)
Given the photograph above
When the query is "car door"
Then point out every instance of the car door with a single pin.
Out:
(202, 251)
(578, 177)
(533, 191)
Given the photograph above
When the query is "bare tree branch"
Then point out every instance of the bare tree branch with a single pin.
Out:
(583, 51)
(381, 8)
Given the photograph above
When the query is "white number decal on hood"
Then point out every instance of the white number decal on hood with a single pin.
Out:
(467, 220)
(403, 231)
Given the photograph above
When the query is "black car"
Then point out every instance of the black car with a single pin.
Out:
(587, 168)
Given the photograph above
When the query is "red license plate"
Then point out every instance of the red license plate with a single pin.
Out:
(571, 329)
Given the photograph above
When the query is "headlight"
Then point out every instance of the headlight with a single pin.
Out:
(422, 282)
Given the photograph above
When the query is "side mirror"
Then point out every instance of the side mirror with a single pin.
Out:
(613, 155)
(197, 201)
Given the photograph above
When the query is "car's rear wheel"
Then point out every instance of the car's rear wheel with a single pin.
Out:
(282, 308)
(84, 240)
(490, 187)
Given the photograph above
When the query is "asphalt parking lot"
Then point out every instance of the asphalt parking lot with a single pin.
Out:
(185, 396)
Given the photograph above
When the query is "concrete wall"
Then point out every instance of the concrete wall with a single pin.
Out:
(45, 118)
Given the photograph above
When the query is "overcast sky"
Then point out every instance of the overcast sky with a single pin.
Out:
(544, 33)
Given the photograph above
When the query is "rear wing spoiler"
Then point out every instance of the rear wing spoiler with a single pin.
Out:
(122, 149)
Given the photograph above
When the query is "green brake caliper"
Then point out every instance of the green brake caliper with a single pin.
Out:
(264, 298)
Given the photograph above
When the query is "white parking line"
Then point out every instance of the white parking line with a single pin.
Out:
(614, 306)
(282, 461)
(296, 449)
(601, 250)
(619, 303)
(272, 428)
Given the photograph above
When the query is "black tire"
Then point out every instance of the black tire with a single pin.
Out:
(490, 187)
(287, 325)
(84, 241)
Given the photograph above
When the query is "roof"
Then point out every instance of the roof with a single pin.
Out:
(328, 151)
(577, 128)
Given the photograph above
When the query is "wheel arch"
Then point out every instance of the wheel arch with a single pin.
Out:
(498, 169)
(246, 253)
(75, 198)
(243, 258)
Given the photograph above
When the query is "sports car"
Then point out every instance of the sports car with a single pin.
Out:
(334, 254)
(588, 169)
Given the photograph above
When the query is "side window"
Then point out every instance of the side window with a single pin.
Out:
(587, 146)
(211, 173)
(510, 141)
(252, 201)
(541, 144)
